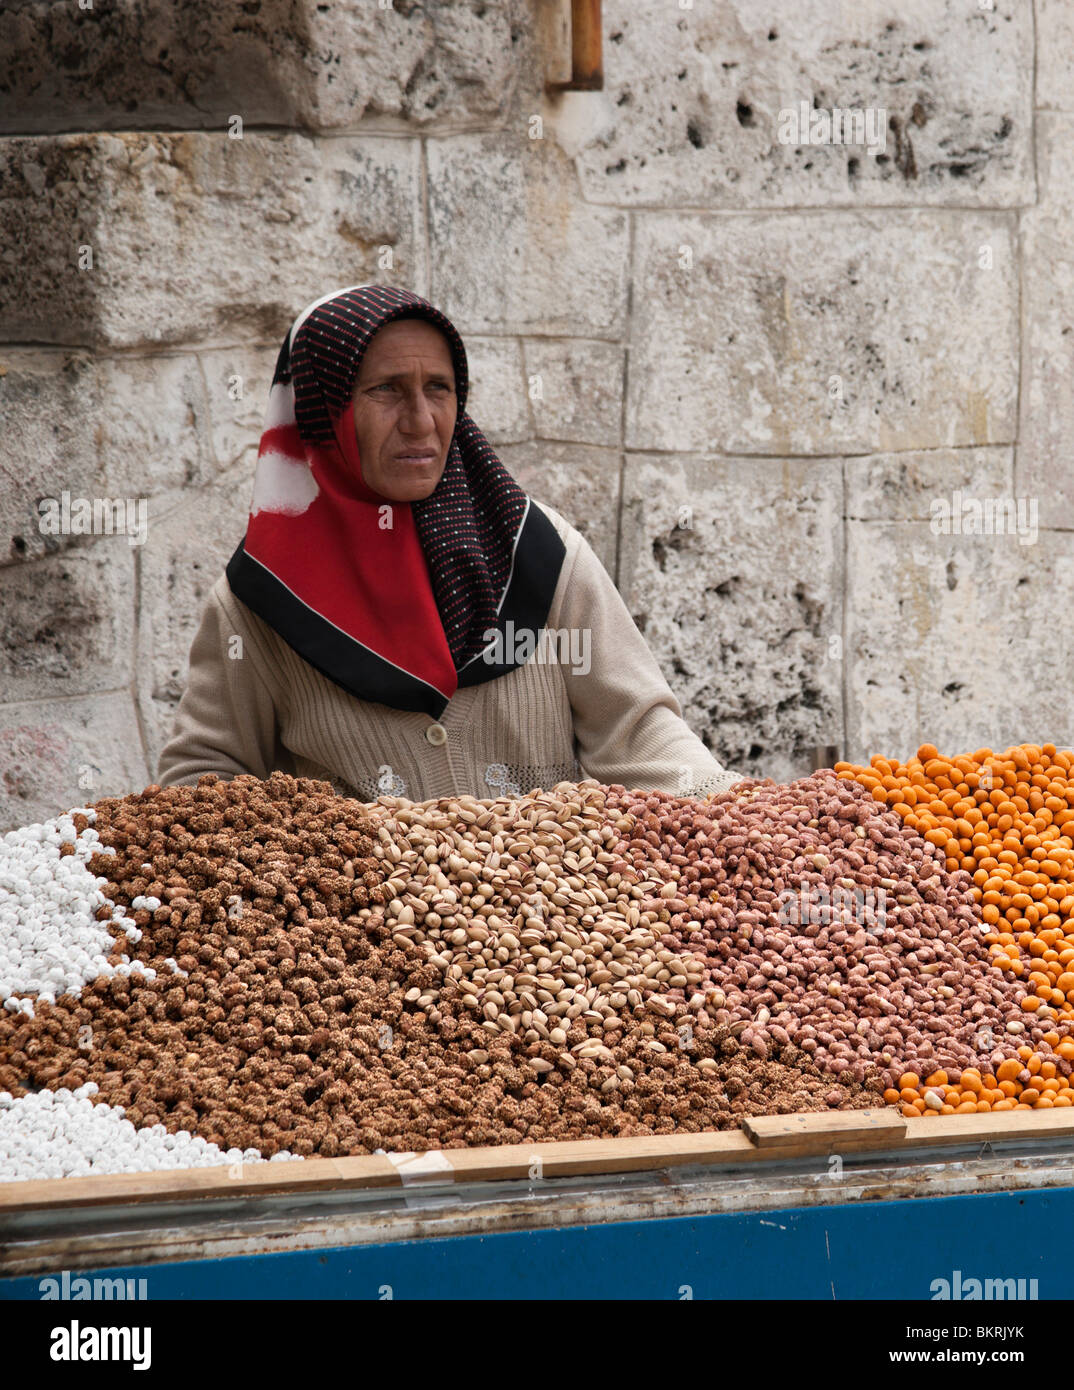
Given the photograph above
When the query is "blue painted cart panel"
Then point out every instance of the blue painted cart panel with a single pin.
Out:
(893, 1250)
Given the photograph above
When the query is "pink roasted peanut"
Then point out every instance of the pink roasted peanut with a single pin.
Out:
(826, 923)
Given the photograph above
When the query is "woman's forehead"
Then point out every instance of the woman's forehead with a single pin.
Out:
(406, 338)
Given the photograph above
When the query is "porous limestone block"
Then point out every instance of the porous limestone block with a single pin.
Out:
(57, 754)
(187, 552)
(140, 238)
(581, 482)
(67, 621)
(733, 571)
(702, 105)
(576, 389)
(497, 399)
(944, 637)
(317, 64)
(830, 333)
(514, 247)
(102, 429)
(1045, 461)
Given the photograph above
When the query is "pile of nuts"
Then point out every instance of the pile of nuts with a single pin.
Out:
(1007, 821)
(825, 923)
(335, 978)
(273, 969)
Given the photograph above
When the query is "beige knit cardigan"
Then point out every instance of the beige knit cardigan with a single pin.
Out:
(253, 705)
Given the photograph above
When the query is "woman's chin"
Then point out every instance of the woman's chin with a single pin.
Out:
(411, 489)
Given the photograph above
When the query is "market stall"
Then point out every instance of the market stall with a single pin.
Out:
(255, 1032)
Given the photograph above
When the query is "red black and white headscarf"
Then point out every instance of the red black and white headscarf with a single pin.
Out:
(394, 601)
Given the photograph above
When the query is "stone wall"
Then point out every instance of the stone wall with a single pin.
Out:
(747, 369)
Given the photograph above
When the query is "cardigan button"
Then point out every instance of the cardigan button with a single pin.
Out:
(436, 734)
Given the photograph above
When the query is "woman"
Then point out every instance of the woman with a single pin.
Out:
(400, 616)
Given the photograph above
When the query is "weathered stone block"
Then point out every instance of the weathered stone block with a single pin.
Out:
(106, 428)
(67, 622)
(186, 553)
(1055, 55)
(804, 335)
(577, 390)
(580, 482)
(1047, 425)
(944, 639)
(151, 63)
(497, 400)
(695, 101)
(446, 63)
(150, 430)
(514, 248)
(45, 398)
(324, 65)
(49, 207)
(237, 384)
(57, 754)
(905, 487)
(733, 570)
(196, 236)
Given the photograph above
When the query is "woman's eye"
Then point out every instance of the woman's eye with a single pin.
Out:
(433, 386)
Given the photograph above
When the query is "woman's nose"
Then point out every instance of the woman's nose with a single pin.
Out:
(417, 414)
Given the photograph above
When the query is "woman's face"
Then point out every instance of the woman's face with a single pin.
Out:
(405, 409)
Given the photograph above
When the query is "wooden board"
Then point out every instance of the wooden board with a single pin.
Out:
(783, 1131)
(780, 1137)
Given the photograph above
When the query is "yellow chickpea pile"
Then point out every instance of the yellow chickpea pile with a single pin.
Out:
(1007, 819)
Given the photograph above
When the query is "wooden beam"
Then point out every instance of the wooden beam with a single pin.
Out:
(586, 45)
(804, 1136)
(859, 1126)
(587, 59)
